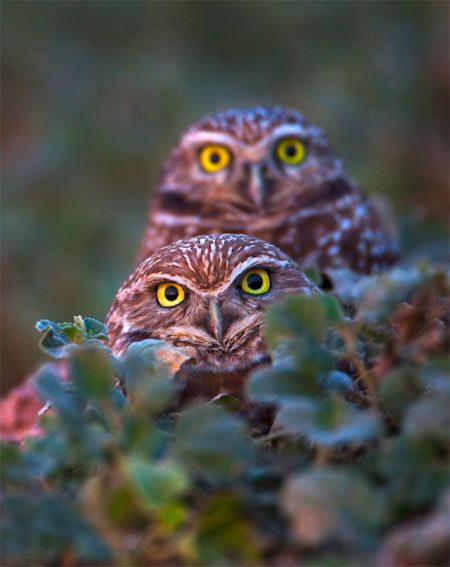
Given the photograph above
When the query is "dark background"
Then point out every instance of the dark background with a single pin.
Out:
(96, 93)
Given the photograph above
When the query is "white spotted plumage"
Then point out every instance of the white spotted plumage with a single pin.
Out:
(217, 322)
(312, 211)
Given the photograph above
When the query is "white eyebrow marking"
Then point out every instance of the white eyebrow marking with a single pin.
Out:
(292, 130)
(238, 270)
(207, 137)
(246, 265)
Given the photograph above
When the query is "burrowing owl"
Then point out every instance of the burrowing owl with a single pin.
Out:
(269, 173)
(206, 294)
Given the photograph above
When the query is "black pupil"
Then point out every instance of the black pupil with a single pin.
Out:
(171, 293)
(254, 281)
(291, 150)
(215, 158)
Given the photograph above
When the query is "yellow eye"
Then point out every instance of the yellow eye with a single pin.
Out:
(170, 294)
(256, 281)
(291, 151)
(214, 158)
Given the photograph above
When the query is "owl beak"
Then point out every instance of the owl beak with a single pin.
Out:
(216, 320)
(256, 184)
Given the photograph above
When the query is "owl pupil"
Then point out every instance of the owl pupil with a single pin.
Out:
(171, 293)
(214, 157)
(291, 151)
(254, 281)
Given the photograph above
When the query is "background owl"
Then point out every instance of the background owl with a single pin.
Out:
(207, 295)
(269, 173)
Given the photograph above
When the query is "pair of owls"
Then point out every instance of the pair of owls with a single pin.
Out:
(266, 191)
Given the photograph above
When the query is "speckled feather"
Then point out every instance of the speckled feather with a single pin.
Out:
(210, 268)
(313, 211)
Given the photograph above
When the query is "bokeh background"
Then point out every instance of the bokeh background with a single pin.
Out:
(96, 93)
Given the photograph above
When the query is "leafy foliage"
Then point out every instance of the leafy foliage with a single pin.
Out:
(354, 466)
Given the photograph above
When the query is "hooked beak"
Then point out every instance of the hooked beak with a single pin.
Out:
(216, 320)
(256, 184)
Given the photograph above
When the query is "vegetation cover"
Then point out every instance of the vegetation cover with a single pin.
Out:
(353, 471)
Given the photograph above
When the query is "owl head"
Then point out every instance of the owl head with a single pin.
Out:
(206, 294)
(246, 160)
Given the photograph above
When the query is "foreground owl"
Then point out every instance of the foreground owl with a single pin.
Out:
(206, 294)
(269, 173)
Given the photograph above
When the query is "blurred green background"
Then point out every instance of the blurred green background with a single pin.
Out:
(96, 93)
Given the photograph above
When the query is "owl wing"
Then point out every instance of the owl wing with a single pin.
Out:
(337, 226)
(368, 245)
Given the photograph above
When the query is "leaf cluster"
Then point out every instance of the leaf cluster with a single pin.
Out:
(354, 468)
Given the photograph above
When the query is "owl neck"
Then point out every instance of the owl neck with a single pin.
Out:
(202, 381)
(197, 383)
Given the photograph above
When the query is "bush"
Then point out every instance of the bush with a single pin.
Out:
(354, 469)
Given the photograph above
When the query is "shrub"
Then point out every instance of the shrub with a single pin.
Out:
(354, 469)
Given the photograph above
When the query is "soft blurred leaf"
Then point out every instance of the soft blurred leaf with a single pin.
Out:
(332, 505)
(301, 314)
(398, 389)
(336, 382)
(429, 418)
(91, 369)
(39, 527)
(297, 375)
(51, 388)
(212, 444)
(148, 372)
(224, 534)
(415, 473)
(158, 485)
(328, 423)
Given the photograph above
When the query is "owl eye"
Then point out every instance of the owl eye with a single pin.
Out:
(256, 281)
(214, 158)
(290, 151)
(170, 294)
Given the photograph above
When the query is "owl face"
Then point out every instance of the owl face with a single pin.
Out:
(206, 294)
(269, 173)
(248, 161)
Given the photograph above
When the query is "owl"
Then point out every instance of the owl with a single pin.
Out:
(269, 173)
(207, 295)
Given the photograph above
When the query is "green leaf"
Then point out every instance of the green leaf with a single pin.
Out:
(211, 443)
(158, 485)
(331, 505)
(298, 315)
(328, 423)
(74, 331)
(14, 469)
(94, 329)
(91, 370)
(58, 338)
(295, 376)
(37, 528)
(414, 471)
(380, 295)
(336, 382)
(50, 387)
(54, 341)
(226, 402)
(429, 418)
(398, 389)
(224, 535)
(148, 379)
